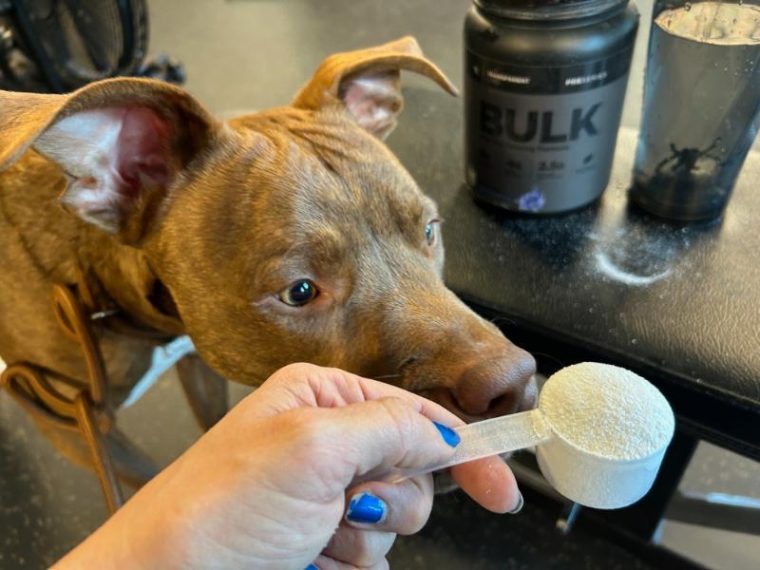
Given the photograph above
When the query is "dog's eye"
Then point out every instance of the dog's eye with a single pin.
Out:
(430, 231)
(299, 293)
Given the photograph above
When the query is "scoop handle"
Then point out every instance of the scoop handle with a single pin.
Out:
(487, 438)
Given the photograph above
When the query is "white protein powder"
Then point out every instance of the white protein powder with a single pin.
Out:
(607, 411)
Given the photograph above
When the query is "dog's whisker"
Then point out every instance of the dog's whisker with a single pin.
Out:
(502, 320)
(386, 376)
(548, 356)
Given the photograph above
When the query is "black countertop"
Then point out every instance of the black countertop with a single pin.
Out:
(678, 303)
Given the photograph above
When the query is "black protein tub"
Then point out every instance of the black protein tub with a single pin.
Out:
(544, 87)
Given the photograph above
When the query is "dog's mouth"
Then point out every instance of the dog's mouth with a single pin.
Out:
(486, 389)
(441, 396)
(445, 398)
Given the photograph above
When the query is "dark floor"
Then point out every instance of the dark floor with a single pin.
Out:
(47, 505)
(486, 541)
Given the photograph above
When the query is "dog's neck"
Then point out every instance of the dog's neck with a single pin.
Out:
(126, 292)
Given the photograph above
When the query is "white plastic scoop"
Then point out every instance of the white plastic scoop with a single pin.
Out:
(600, 433)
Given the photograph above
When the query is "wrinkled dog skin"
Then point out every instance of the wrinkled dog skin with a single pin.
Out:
(293, 234)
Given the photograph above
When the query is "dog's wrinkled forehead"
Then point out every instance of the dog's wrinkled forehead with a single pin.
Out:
(322, 170)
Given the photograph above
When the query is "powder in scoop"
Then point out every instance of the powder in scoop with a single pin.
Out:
(607, 411)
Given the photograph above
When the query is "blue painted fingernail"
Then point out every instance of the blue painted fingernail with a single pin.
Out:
(449, 435)
(365, 508)
(312, 567)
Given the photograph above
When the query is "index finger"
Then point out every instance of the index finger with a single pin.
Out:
(487, 481)
(307, 385)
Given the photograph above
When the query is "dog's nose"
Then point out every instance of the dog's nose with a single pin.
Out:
(497, 386)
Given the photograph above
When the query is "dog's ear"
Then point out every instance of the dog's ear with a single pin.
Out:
(121, 142)
(367, 82)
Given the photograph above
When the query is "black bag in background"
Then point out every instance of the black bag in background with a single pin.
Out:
(59, 45)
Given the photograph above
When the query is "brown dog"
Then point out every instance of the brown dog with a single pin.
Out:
(288, 235)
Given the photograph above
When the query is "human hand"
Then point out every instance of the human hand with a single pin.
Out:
(269, 485)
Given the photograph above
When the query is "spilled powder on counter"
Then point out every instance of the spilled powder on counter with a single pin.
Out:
(607, 411)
